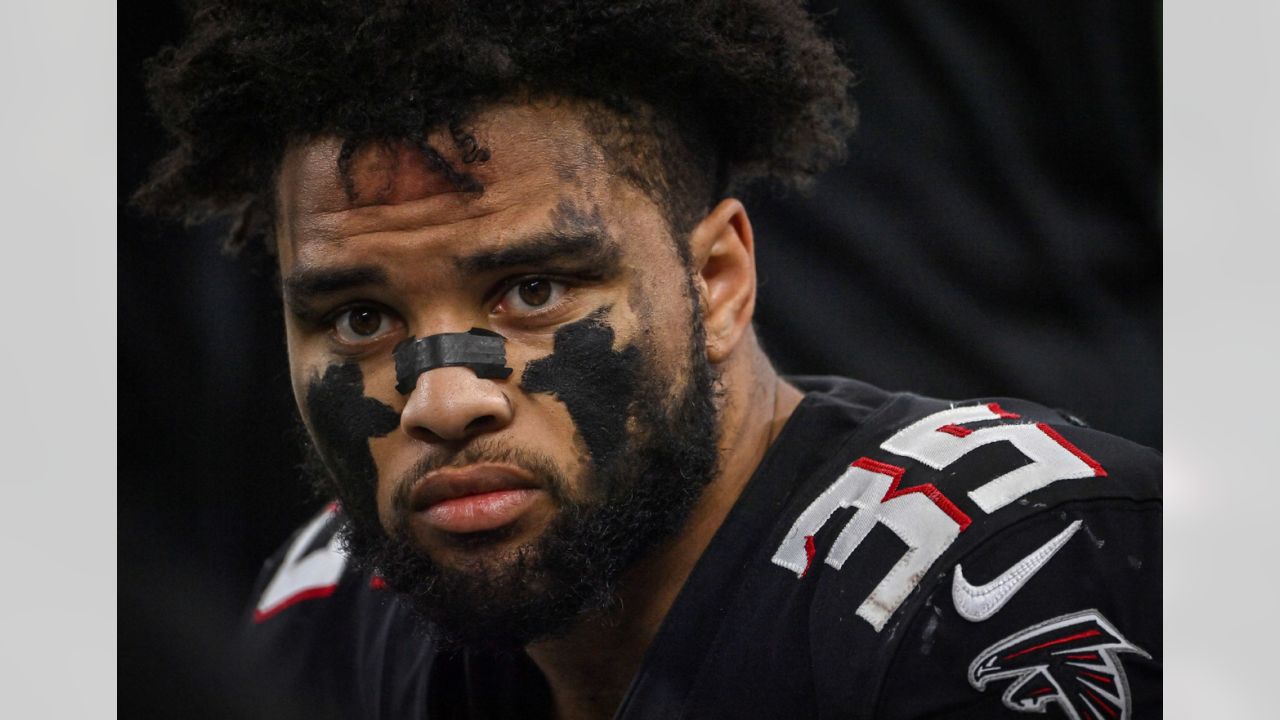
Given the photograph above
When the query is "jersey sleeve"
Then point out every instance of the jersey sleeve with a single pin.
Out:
(299, 639)
(1057, 615)
(987, 558)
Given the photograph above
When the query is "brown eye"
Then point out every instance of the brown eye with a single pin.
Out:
(530, 295)
(365, 321)
(361, 324)
(535, 293)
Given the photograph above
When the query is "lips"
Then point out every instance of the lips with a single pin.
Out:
(474, 498)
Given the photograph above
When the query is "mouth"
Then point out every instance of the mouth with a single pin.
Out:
(473, 499)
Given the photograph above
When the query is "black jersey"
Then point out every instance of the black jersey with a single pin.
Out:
(893, 556)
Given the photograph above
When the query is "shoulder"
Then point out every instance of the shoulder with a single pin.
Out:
(1060, 609)
(309, 566)
(953, 531)
(309, 577)
(315, 641)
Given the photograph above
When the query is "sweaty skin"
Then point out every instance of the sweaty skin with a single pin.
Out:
(595, 382)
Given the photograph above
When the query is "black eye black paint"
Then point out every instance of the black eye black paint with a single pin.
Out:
(484, 351)
(342, 421)
(595, 382)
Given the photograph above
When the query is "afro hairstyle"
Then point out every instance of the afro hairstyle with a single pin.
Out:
(698, 98)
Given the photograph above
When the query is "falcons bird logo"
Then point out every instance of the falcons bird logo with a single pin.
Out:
(1070, 660)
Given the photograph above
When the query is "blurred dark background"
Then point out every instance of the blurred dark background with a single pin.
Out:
(996, 231)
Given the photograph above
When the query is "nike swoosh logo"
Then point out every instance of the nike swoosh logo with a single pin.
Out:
(979, 603)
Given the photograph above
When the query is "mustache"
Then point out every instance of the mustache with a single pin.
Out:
(547, 474)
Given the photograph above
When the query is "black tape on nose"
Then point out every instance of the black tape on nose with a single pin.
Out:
(484, 351)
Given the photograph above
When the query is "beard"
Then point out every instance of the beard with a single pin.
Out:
(639, 497)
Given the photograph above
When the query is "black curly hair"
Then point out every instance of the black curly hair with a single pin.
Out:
(696, 98)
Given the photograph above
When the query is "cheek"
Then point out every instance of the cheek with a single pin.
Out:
(383, 455)
(342, 420)
(665, 305)
(595, 382)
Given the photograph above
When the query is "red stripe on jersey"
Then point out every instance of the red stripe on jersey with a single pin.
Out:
(1065, 443)
(1106, 707)
(309, 594)
(1059, 641)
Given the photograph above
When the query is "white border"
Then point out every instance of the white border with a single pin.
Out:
(1222, 297)
(57, 281)
(57, 295)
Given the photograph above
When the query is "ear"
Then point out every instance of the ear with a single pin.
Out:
(723, 250)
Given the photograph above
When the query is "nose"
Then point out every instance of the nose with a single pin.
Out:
(450, 403)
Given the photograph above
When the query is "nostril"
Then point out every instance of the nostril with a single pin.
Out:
(422, 434)
(481, 423)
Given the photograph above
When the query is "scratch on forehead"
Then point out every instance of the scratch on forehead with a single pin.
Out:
(324, 181)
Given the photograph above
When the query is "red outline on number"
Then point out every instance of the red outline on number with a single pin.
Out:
(1098, 471)
(322, 591)
(810, 550)
(1001, 412)
(929, 490)
(957, 430)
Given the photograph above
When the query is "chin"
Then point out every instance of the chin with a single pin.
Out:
(490, 546)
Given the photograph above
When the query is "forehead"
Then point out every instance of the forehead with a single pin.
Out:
(523, 165)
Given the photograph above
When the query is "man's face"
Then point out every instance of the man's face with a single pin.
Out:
(503, 508)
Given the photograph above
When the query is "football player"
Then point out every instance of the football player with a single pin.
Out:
(566, 479)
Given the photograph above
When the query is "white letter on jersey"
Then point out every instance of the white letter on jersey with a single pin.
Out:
(938, 440)
(921, 516)
(301, 578)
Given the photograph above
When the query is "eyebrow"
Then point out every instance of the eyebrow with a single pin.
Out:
(305, 283)
(586, 249)
(590, 249)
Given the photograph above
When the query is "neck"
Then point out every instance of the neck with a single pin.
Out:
(590, 668)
